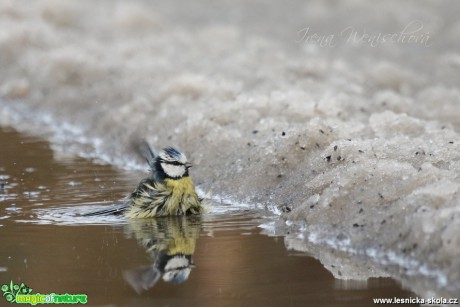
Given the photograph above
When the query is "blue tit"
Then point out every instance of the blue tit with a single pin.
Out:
(170, 241)
(174, 269)
(167, 191)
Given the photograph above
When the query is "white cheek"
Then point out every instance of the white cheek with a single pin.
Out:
(176, 262)
(173, 170)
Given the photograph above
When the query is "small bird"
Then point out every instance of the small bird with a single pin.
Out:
(170, 242)
(167, 191)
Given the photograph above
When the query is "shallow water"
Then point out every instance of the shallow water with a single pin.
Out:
(357, 140)
(49, 249)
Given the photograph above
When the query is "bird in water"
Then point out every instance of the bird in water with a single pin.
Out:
(170, 242)
(167, 191)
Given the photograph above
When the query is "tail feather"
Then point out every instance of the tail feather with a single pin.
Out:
(112, 210)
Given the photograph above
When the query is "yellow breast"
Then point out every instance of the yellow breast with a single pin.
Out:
(173, 197)
(183, 197)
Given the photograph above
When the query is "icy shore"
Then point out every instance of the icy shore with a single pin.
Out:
(303, 107)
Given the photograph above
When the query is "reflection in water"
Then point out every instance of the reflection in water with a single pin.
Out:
(44, 194)
(171, 242)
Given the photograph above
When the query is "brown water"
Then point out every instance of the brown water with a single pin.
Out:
(45, 246)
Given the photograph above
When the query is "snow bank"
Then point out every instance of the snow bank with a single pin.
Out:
(305, 107)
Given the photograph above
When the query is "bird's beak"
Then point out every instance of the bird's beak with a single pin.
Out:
(188, 165)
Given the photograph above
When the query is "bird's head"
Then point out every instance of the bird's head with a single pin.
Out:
(173, 163)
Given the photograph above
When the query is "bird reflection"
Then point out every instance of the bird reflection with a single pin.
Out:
(170, 241)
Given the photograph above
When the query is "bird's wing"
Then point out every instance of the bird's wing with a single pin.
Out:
(144, 150)
(143, 278)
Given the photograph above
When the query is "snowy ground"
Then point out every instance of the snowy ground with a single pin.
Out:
(346, 115)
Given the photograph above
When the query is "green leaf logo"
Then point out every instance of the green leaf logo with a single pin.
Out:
(10, 291)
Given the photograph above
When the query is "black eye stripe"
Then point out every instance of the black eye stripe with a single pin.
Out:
(172, 162)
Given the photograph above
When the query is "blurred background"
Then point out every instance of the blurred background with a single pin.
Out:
(341, 117)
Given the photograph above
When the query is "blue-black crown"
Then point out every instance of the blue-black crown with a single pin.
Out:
(172, 152)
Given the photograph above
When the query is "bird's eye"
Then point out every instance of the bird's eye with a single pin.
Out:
(171, 162)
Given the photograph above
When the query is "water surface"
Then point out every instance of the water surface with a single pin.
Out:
(44, 244)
